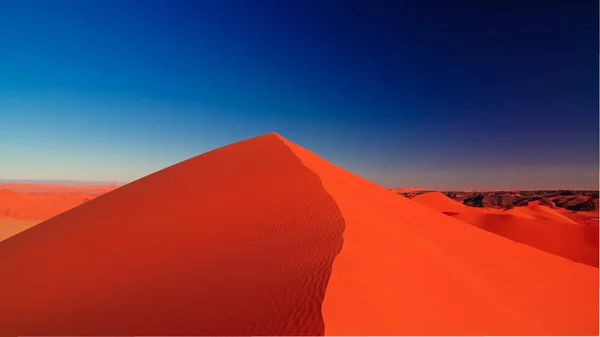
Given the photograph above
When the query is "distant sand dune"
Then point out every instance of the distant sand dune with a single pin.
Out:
(22, 210)
(12, 226)
(535, 225)
(307, 249)
(51, 188)
(408, 270)
(582, 217)
(534, 210)
(39, 206)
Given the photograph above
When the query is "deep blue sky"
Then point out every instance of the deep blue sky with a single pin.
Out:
(435, 94)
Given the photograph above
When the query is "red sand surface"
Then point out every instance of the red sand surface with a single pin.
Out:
(405, 269)
(179, 252)
(12, 226)
(40, 206)
(182, 251)
(586, 218)
(21, 210)
(535, 225)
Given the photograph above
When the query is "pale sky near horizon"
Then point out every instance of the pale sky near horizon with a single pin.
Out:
(431, 94)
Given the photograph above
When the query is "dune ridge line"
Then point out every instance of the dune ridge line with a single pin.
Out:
(307, 249)
(535, 225)
(182, 252)
(405, 269)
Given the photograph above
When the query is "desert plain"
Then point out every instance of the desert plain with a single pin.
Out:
(23, 205)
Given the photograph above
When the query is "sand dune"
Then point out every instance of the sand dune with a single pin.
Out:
(39, 206)
(407, 270)
(181, 252)
(535, 225)
(441, 203)
(585, 218)
(52, 188)
(22, 210)
(573, 200)
(12, 226)
(535, 210)
(177, 252)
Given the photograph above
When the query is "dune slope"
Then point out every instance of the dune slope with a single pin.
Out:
(442, 203)
(22, 210)
(535, 225)
(39, 206)
(405, 269)
(11, 226)
(181, 252)
(536, 210)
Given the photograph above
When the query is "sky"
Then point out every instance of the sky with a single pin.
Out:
(431, 94)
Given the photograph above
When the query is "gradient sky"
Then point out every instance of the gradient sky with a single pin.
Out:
(433, 94)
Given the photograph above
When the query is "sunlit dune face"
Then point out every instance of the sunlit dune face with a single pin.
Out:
(307, 249)
(553, 230)
(408, 270)
(581, 217)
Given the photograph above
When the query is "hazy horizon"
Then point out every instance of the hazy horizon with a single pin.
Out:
(85, 182)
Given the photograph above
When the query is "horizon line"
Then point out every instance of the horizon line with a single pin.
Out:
(62, 182)
(68, 182)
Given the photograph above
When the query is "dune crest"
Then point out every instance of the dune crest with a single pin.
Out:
(308, 249)
(182, 252)
(536, 210)
(536, 225)
(405, 269)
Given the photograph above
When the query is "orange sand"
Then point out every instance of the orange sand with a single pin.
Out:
(535, 225)
(39, 206)
(26, 188)
(179, 252)
(12, 226)
(22, 210)
(405, 269)
(581, 217)
(182, 252)
(535, 210)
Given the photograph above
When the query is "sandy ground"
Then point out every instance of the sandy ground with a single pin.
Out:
(406, 269)
(20, 210)
(40, 206)
(307, 249)
(12, 226)
(584, 218)
(52, 188)
(183, 252)
(535, 225)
